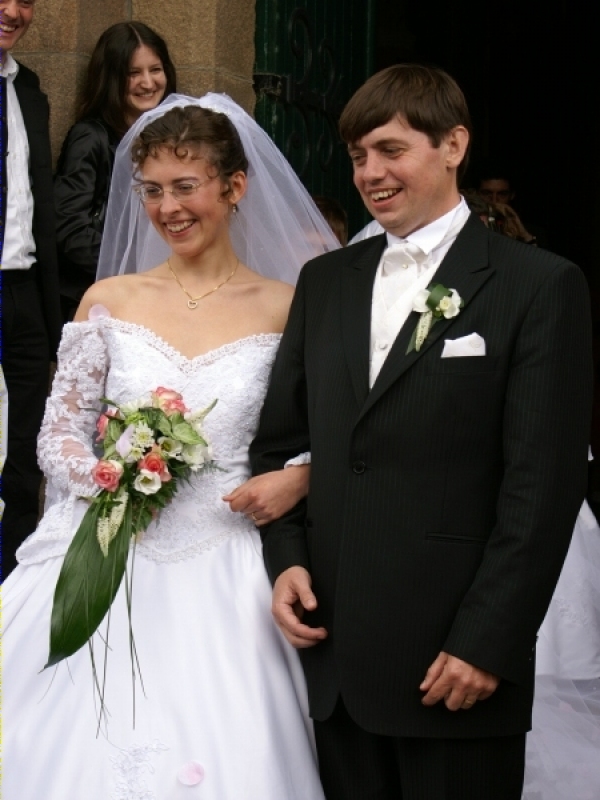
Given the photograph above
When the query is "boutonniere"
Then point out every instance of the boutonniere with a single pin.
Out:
(432, 304)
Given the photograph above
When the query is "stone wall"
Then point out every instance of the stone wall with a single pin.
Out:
(211, 43)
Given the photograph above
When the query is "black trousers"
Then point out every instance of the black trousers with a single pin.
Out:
(26, 366)
(358, 765)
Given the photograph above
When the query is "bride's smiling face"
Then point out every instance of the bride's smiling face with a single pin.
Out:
(192, 203)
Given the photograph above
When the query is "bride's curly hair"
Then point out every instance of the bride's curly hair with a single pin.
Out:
(193, 132)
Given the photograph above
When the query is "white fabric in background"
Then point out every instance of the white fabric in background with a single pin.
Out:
(563, 747)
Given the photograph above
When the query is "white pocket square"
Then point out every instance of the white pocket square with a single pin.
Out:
(471, 345)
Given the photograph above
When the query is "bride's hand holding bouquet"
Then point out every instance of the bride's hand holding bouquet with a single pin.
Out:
(149, 446)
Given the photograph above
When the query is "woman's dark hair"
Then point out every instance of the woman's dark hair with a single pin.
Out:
(193, 132)
(105, 84)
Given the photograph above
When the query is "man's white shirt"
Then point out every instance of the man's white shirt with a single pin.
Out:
(396, 285)
(19, 245)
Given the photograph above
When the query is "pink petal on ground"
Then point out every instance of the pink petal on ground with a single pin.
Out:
(191, 774)
(97, 311)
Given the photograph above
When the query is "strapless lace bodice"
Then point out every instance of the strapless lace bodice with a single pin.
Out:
(123, 361)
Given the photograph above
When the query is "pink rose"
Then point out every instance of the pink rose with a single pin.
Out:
(154, 463)
(103, 421)
(168, 401)
(107, 474)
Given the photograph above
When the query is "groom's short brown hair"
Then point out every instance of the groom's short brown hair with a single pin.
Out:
(428, 98)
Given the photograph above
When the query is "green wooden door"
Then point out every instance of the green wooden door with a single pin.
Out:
(311, 55)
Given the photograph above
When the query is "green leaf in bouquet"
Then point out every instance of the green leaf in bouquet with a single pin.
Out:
(178, 469)
(110, 451)
(160, 422)
(134, 417)
(108, 402)
(87, 584)
(113, 430)
(176, 418)
(144, 516)
(184, 432)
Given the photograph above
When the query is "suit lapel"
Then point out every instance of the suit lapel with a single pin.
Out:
(356, 293)
(29, 102)
(465, 268)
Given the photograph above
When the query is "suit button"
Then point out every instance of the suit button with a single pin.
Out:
(359, 467)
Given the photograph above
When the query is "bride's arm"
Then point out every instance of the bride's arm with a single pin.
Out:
(65, 449)
(267, 497)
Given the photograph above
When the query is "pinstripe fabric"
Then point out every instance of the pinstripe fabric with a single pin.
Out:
(356, 765)
(442, 501)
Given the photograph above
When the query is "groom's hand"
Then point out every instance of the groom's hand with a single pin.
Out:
(292, 596)
(457, 683)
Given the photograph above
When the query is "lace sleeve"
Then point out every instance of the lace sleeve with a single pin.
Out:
(65, 443)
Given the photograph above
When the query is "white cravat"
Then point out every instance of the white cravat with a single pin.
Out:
(19, 246)
(407, 266)
(400, 267)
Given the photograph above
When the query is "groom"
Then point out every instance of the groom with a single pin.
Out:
(446, 474)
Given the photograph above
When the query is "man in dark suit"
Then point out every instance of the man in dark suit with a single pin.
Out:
(30, 296)
(440, 375)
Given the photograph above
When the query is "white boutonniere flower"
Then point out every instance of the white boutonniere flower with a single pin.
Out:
(434, 303)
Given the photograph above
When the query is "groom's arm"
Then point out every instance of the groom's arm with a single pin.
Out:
(547, 413)
(283, 433)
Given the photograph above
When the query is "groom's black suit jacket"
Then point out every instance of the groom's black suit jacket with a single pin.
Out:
(443, 499)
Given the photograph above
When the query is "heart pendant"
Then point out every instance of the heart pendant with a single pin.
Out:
(192, 304)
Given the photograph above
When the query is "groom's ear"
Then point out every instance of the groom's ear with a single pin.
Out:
(456, 143)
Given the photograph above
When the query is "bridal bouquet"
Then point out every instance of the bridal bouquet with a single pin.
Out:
(150, 446)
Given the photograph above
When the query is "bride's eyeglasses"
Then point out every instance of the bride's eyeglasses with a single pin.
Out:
(151, 193)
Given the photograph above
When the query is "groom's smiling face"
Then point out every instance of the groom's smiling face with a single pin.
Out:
(15, 19)
(404, 180)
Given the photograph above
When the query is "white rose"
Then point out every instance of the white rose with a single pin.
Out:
(196, 455)
(169, 448)
(134, 405)
(147, 482)
(420, 301)
(450, 306)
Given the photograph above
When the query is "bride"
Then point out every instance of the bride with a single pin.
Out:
(221, 714)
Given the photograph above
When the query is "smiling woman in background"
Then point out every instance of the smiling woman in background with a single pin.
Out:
(130, 72)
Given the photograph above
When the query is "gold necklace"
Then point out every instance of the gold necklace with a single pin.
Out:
(193, 301)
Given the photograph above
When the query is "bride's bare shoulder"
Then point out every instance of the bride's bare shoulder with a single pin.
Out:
(278, 291)
(112, 293)
(276, 298)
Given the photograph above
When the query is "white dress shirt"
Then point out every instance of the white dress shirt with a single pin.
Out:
(19, 245)
(396, 284)
(3, 427)
(372, 229)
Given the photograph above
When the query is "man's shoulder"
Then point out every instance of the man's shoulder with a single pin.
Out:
(27, 77)
(345, 257)
(511, 253)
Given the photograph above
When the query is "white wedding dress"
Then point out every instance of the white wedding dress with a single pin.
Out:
(563, 748)
(222, 714)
